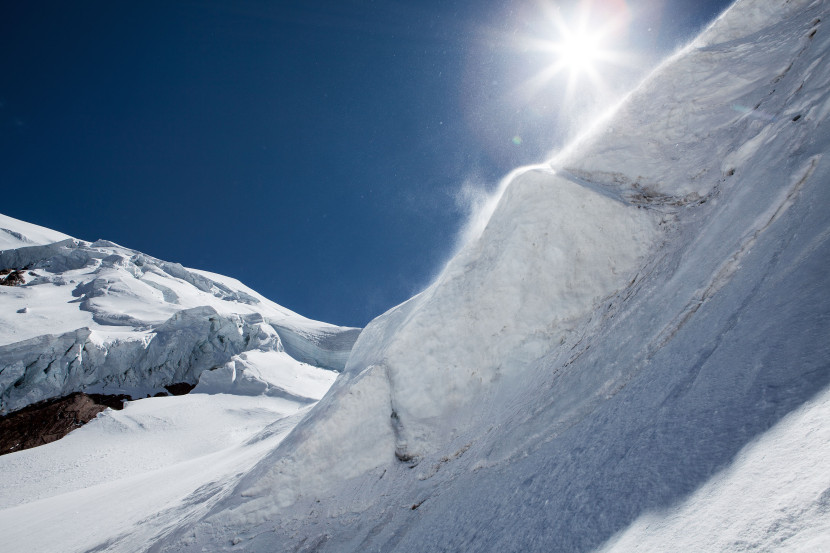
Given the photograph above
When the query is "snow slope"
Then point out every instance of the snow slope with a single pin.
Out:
(126, 468)
(638, 326)
(637, 344)
(15, 233)
(770, 472)
(99, 317)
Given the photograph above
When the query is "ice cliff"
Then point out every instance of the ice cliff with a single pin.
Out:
(98, 317)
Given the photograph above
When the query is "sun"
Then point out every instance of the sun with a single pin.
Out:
(579, 51)
(578, 47)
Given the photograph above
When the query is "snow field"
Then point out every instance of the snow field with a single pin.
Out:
(122, 469)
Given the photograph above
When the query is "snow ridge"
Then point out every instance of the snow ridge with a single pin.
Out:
(102, 318)
(606, 346)
(15, 233)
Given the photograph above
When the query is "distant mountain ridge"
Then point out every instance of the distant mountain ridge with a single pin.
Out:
(99, 317)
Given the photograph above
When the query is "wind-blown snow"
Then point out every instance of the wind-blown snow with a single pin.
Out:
(638, 335)
(581, 246)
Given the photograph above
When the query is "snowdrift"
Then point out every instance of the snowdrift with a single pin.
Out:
(636, 313)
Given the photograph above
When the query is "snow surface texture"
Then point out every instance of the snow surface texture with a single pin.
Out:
(611, 351)
(102, 318)
(127, 469)
(613, 384)
(15, 233)
(98, 317)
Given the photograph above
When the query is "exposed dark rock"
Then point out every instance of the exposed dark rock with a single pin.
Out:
(52, 419)
(179, 388)
(13, 277)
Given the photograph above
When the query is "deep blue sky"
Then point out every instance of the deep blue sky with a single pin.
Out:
(313, 150)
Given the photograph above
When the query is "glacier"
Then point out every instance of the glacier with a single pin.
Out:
(99, 317)
(96, 317)
(632, 355)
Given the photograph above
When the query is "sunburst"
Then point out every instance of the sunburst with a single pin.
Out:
(579, 48)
